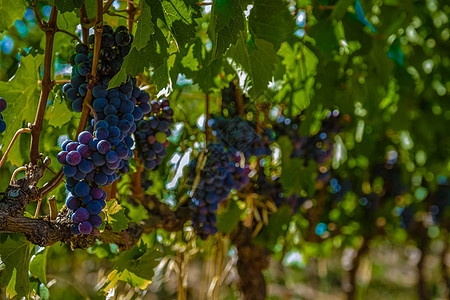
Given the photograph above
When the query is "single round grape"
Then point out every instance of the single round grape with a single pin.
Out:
(94, 207)
(82, 48)
(80, 215)
(99, 104)
(85, 227)
(123, 38)
(102, 133)
(72, 93)
(96, 221)
(102, 124)
(74, 229)
(107, 40)
(73, 203)
(62, 157)
(103, 147)
(96, 192)
(77, 105)
(160, 137)
(80, 57)
(98, 159)
(69, 170)
(110, 110)
(101, 178)
(85, 137)
(86, 166)
(82, 189)
(111, 156)
(73, 158)
(99, 91)
(2, 104)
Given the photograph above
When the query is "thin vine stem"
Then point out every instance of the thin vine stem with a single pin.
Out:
(97, 45)
(73, 36)
(16, 135)
(47, 84)
(107, 5)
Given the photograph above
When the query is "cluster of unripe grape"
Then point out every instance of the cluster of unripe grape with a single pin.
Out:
(2, 109)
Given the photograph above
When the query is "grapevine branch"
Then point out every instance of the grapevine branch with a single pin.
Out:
(84, 23)
(47, 85)
(49, 230)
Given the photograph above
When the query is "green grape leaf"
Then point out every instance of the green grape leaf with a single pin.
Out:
(10, 11)
(67, 5)
(57, 113)
(228, 220)
(38, 264)
(14, 259)
(258, 58)
(22, 96)
(135, 266)
(179, 17)
(271, 20)
(227, 20)
(134, 63)
(144, 28)
(278, 224)
(139, 260)
(115, 215)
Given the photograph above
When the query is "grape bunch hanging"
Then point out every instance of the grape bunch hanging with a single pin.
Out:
(151, 136)
(214, 179)
(103, 151)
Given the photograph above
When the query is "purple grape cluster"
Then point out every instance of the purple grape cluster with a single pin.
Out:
(115, 46)
(216, 182)
(85, 198)
(103, 151)
(151, 135)
(2, 109)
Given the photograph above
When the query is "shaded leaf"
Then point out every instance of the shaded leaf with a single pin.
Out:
(10, 11)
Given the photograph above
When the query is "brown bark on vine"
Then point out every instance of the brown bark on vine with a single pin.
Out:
(45, 231)
(47, 85)
(253, 259)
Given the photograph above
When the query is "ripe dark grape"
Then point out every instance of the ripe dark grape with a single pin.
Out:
(102, 152)
(216, 182)
(148, 132)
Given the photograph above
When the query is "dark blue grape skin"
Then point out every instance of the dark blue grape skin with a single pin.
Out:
(99, 104)
(101, 178)
(85, 227)
(96, 221)
(94, 207)
(82, 189)
(74, 229)
(73, 203)
(105, 148)
(72, 93)
(99, 91)
(80, 215)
